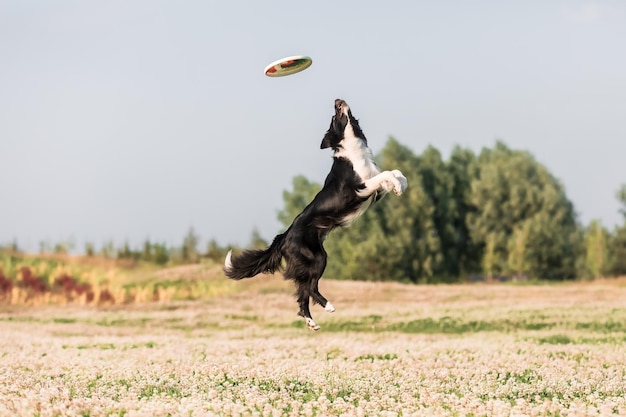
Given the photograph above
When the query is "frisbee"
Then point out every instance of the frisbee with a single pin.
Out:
(288, 66)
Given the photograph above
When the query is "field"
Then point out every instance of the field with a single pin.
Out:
(389, 350)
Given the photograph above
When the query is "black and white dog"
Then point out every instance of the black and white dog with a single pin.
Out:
(353, 183)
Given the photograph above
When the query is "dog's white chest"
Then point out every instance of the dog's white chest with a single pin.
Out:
(361, 157)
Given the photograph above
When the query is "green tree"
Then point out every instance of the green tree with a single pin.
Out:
(125, 252)
(414, 237)
(89, 249)
(490, 256)
(449, 205)
(63, 248)
(617, 249)
(518, 262)
(596, 256)
(554, 241)
(465, 252)
(189, 250)
(256, 241)
(146, 253)
(108, 250)
(161, 254)
(360, 251)
(510, 188)
(215, 252)
(500, 212)
(621, 197)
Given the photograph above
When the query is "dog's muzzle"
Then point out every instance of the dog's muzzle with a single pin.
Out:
(341, 107)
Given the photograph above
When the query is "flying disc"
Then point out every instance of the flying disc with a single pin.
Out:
(288, 66)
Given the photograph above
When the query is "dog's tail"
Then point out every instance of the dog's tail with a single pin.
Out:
(253, 262)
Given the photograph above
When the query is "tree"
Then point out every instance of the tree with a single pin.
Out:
(125, 252)
(89, 249)
(621, 197)
(501, 212)
(554, 241)
(490, 256)
(617, 249)
(596, 255)
(189, 250)
(256, 241)
(518, 262)
(161, 254)
(465, 252)
(617, 252)
(439, 184)
(146, 253)
(108, 250)
(509, 189)
(414, 236)
(361, 251)
(215, 252)
(63, 248)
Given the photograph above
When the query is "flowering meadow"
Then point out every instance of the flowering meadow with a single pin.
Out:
(388, 350)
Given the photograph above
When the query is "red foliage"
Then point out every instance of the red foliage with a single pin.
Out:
(69, 284)
(31, 282)
(6, 285)
(106, 297)
(64, 284)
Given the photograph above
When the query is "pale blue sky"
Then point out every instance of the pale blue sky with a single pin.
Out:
(128, 120)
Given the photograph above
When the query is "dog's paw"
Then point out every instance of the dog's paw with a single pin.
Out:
(402, 182)
(389, 182)
(397, 187)
(329, 307)
(312, 325)
(387, 185)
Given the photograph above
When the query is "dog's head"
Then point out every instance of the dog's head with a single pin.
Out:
(342, 122)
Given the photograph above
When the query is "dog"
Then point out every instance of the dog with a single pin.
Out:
(353, 183)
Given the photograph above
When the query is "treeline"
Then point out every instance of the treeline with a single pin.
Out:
(149, 252)
(498, 214)
(495, 215)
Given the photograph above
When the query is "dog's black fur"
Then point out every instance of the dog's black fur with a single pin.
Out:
(353, 181)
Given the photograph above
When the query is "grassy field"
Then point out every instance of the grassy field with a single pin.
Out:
(389, 350)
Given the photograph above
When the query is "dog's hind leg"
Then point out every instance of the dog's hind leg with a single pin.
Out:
(319, 298)
(303, 294)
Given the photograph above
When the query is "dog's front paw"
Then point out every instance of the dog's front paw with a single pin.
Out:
(402, 182)
(396, 186)
(388, 185)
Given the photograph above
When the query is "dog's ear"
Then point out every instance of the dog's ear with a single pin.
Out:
(330, 135)
(328, 139)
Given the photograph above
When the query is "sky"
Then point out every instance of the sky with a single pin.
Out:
(122, 121)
